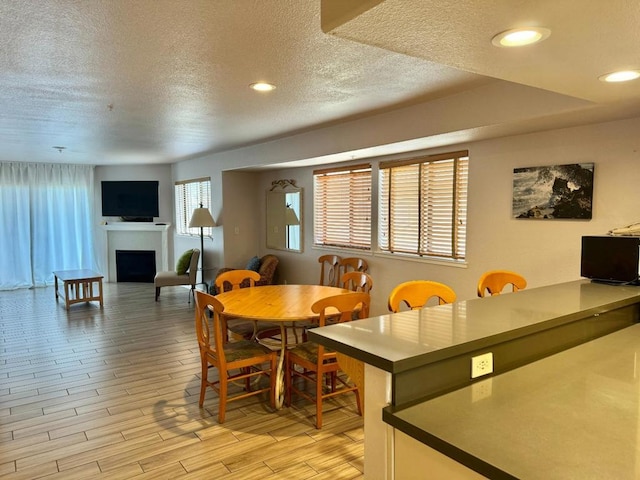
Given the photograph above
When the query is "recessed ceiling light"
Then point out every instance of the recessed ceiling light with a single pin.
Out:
(518, 37)
(621, 76)
(262, 86)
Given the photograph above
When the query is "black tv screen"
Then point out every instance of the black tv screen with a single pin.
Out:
(130, 199)
(610, 259)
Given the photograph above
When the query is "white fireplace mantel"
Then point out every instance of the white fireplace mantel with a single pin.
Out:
(135, 236)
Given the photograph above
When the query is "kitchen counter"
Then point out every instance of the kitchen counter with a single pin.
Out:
(418, 356)
(571, 415)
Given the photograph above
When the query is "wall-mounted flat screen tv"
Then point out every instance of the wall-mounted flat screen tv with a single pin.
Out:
(131, 200)
(610, 259)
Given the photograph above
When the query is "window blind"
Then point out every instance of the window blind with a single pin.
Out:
(342, 207)
(423, 206)
(189, 194)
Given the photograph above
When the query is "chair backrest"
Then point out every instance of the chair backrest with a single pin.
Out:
(494, 281)
(233, 279)
(268, 265)
(353, 264)
(416, 293)
(193, 266)
(342, 308)
(329, 270)
(209, 328)
(357, 281)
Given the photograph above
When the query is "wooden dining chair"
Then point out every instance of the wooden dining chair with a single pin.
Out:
(493, 282)
(357, 281)
(236, 361)
(329, 270)
(239, 328)
(353, 264)
(416, 293)
(319, 365)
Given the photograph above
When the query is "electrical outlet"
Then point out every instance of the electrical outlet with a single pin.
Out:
(482, 365)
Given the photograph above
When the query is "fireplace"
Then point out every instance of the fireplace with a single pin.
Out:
(135, 265)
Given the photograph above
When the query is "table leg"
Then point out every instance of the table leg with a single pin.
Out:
(55, 279)
(66, 294)
(280, 368)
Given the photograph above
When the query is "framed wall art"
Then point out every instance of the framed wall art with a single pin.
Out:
(553, 192)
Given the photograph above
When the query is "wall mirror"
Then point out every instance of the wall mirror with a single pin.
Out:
(284, 216)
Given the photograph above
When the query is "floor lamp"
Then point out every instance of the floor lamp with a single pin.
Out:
(202, 219)
(290, 218)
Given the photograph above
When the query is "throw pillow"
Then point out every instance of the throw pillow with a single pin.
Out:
(183, 262)
(254, 264)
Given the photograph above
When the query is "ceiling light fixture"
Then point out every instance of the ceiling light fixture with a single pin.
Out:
(262, 86)
(620, 76)
(519, 37)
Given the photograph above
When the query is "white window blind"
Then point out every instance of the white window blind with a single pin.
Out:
(423, 206)
(189, 194)
(342, 207)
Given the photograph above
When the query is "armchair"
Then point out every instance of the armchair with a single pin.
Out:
(267, 271)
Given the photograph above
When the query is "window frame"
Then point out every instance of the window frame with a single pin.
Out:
(436, 240)
(185, 202)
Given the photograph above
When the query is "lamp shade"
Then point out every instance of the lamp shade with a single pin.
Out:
(290, 217)
(201, 218)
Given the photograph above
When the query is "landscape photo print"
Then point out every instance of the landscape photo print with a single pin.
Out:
(553, 192)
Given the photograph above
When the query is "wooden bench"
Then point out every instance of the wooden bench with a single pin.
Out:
(79, 286)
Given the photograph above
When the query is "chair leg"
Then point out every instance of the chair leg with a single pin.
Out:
(204, 380)
(319, 381)
(222, 408)
(157, 293)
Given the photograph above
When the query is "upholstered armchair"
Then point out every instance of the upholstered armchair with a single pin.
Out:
(266, 267)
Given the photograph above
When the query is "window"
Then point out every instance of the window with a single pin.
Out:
(342, 207)
(189, 194)
(423, 206)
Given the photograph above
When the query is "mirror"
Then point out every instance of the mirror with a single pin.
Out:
(284, 216)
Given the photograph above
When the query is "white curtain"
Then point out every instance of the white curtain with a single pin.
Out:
(46, 214)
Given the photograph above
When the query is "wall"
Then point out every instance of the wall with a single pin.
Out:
(545, 252)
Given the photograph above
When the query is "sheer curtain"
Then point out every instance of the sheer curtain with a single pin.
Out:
(46, 222)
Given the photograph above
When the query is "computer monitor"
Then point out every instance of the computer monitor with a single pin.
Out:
(610, 259)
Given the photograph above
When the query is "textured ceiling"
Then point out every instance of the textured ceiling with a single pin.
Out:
(152, 81)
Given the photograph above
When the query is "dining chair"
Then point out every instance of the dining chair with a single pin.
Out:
(319, 365)
(353, 264)
(239, 361)
(239, 328)
(416, 293)
(357, 281)
(329, 270)
(494, 281)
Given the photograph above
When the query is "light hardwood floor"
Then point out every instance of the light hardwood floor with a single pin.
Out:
(113, 394)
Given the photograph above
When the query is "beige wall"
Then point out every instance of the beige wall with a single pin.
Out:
(545, 252)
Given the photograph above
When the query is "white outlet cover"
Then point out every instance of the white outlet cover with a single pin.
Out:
(482, 365)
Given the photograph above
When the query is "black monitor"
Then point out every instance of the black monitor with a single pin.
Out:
(610, 259)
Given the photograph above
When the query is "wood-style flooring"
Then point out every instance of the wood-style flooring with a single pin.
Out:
(112, 393)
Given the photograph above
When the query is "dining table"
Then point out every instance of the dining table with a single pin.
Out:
(285, 305)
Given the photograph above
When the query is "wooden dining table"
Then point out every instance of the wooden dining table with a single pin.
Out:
(283, 304)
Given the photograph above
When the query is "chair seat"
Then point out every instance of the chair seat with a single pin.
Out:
(308, 351)
(170, 279)
(242, 349)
